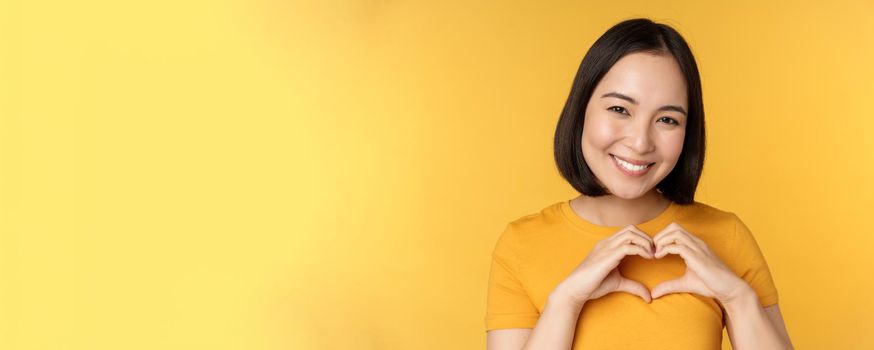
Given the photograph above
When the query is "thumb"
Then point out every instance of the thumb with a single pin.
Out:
(667, 287)
(634, 287)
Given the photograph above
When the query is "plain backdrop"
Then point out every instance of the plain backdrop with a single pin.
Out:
(257, 174)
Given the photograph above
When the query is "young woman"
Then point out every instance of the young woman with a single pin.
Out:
(631, 140)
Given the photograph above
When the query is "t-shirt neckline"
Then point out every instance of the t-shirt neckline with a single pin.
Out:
(577, 221)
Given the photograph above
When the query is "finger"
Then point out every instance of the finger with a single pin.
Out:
(674, 226)
(663, 239)
(650, 244)
(631, 249)
(673, 286)
(634, 287)
(662, 232)
(626, 235)
(630, 238)
(636, 230)
(680, 249)
(676, 237)
(629, 228)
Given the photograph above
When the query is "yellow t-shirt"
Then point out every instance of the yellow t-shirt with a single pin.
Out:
(537, 251)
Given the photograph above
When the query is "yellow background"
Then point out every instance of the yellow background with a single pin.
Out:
(334, 175)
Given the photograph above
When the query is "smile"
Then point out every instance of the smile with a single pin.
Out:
(630, 169)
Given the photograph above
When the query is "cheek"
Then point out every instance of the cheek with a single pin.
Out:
(672, 145)
(599, 133)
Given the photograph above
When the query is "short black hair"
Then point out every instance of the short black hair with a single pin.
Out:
(630, 36)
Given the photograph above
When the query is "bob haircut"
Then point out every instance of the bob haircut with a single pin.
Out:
(630, 36)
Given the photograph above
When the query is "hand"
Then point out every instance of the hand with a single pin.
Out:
(705, 275)
(598, 273)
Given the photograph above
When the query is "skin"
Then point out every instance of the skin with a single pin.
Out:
(616, 126)
(643, 131)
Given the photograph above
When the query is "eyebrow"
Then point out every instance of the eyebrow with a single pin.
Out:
(634, 102)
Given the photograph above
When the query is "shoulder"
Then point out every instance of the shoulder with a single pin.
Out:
(709, 217)
(716, 225)
(534, 224)
(701, 212)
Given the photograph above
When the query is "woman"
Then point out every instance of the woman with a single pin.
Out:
(631, 140)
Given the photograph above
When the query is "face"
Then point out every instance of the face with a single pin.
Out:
(635, 124)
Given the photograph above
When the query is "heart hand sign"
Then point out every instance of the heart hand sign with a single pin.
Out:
(598, 275)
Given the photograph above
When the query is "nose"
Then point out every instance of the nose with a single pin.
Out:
(639, 139)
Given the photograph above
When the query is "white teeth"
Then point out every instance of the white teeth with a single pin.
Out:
(629, 166)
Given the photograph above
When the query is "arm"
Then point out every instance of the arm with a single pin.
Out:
(752, 327)
(776, 318)
(554, 329)
(597, 275)
(556, 326)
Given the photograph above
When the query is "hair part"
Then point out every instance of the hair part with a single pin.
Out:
(626, 37)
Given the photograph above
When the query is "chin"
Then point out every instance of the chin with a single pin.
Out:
(629, 193)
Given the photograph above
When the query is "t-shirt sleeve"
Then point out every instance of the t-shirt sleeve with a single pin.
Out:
(508, 305)
(752, 266)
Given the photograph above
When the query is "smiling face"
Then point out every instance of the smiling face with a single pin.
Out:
(635, 124)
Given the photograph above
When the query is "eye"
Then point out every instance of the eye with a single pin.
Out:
(617, 109)
(671, 121)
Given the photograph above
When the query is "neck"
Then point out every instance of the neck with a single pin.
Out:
(610, 210)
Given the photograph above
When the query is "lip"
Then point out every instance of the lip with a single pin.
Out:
(629, 172)
(633, 161)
